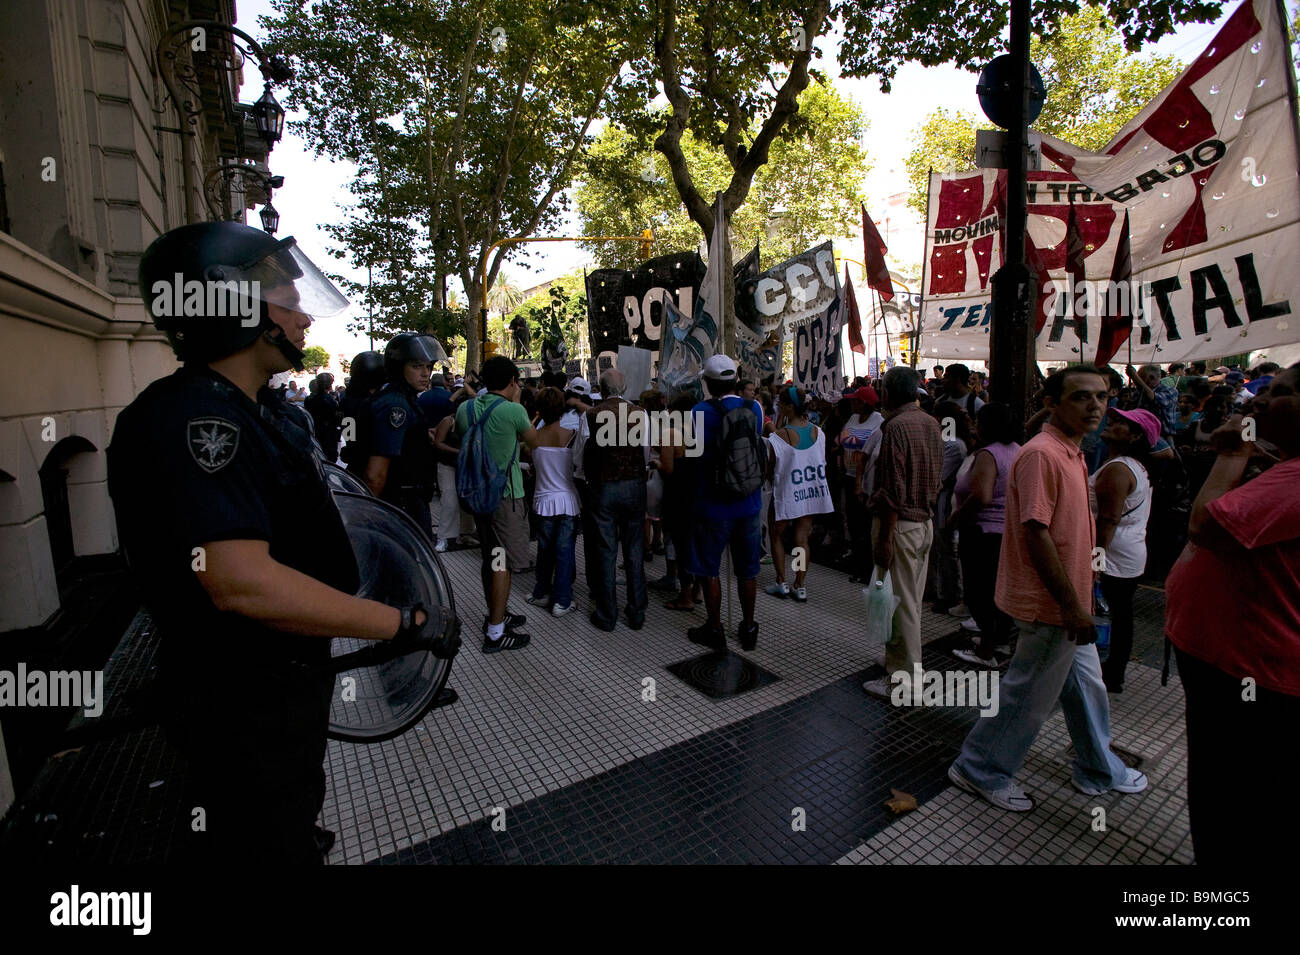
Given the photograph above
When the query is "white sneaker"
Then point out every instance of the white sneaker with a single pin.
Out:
(541, 601)
(970, 624)
(1133, 782)
(961, 610)
(880, 688)
(970, 656)
(441, 546)
(800, 594)
(1012, 799)
(558, 611)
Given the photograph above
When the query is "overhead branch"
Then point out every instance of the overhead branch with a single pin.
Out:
(785, 106)
(669, 141)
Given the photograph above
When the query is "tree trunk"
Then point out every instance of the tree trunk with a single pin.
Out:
(473, 325)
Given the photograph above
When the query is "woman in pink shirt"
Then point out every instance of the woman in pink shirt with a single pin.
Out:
(1233, 614)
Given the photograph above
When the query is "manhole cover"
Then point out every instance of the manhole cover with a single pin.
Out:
(721, 674)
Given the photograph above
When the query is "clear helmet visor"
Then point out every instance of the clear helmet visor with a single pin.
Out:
(427, 348)
(286, 277)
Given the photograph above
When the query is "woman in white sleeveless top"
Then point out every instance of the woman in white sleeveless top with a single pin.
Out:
(1123, 493)
(556, 503)
(797, 459)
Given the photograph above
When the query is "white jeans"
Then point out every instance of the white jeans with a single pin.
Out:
(448, 504)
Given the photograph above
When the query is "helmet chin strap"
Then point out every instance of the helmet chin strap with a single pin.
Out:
(274, 334)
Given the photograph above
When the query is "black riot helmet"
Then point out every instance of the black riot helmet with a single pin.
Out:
(366, 373)
(207, 286)
(406, 347)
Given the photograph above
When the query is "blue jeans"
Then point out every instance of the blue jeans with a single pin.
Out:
(1047, 667)
(619, 514)
(556, 564)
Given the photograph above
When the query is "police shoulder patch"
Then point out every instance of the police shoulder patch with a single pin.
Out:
(212, 442)
(396, 416)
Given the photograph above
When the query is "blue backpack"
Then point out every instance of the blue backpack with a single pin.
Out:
(480, 484)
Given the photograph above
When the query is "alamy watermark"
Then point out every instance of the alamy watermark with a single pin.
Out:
(632, 427)
(58, 688)
(76, 907)
(212, 299)
(946, 688)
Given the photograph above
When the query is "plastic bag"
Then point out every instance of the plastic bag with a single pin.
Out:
(881, 604)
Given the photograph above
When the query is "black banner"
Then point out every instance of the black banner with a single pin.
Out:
(605, 310)
(626, 308)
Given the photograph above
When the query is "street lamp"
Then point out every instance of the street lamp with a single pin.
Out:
(269, 117)
(270, 218)
(221, 48)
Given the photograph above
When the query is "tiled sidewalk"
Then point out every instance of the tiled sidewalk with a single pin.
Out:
(553, 733)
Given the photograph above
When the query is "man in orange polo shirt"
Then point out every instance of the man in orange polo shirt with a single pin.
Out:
(1045, 584)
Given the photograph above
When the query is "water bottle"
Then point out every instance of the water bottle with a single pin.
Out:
(1101, 619)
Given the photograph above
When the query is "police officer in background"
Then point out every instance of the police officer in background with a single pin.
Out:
(400, 465)
(241, 555)
(324, 410)
(365, 378)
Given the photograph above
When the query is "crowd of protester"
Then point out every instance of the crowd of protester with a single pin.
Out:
(997, 522)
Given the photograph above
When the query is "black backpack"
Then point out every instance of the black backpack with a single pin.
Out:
(737, 451)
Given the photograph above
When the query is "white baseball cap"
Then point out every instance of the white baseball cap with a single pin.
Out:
(580, 386)
(720, 368)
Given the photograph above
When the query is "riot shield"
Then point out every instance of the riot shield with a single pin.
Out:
(397, 566)
(341, 479)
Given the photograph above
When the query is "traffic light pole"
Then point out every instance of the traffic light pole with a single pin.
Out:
(502, 243)
(1011, 354)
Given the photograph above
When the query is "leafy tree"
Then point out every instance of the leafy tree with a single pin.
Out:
(810, 188)
(733, 70)
(1093, 88)
(465, 121)
(314, 358)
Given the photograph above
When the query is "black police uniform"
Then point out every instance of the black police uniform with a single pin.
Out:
(354, 410)
(324, 411)
(398, 432)
(192, 461)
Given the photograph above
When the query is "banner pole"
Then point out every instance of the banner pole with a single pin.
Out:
(925, 265)
(1290, 78)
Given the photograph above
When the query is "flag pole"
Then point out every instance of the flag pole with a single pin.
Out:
(880, 308)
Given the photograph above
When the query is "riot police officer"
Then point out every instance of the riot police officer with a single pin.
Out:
(366, 377)
(235, 542)
(401, 467)
(323, 407)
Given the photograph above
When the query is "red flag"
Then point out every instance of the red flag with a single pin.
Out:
(1116, 329)
(873, 250)
(852, 315)
(1043, 300)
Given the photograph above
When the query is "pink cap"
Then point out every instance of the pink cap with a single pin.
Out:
(1148, 423)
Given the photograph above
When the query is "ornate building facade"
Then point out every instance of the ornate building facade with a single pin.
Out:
(116, 120)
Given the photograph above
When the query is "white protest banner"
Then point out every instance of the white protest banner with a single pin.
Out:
(1208, 174)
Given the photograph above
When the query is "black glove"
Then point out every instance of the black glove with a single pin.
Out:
(435, 634)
